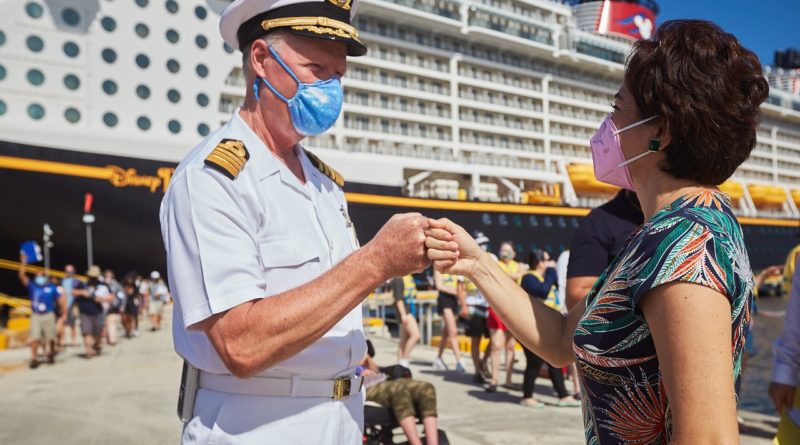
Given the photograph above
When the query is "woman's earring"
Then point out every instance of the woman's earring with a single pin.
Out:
(655, 144)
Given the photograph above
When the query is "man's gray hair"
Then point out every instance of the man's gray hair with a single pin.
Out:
(275, 39)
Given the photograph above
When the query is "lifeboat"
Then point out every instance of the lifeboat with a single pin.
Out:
(796, 197)
(767, 195)
(539, 197)
(583, 180)
(733, 189)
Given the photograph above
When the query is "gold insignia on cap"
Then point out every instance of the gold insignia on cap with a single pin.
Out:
(228, 157)
(344, 4)
(318, 25)
(325, 169)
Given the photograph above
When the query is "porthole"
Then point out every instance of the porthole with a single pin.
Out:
(141, 30)
(110, 119)
(109, 55)
(174, 96)
(202, 100)
(72, 115)
(142, 61)
(201, 41)
(2, 38)
(172, 6)
(70, 16)
(108, 24)
(142, 3)
(202, 129)
(2, 72)
(34, 10)
(200, 12)
(110, 87)
(35, 111)
(35, 77)
(143, 123)
(173, 36)
(228, 49)
(71, 49)
(72, 82)
(3, 108)
(201, 70)
(173, 66)
(174, 126)
(35, 43)
(143, 91)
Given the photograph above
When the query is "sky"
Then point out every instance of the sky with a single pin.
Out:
(761, 25)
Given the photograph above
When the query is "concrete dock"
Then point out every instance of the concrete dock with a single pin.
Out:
(128, 396)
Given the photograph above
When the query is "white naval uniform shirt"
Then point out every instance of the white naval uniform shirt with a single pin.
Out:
(230, 241)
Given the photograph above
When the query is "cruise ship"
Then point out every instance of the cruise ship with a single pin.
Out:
(479, 110)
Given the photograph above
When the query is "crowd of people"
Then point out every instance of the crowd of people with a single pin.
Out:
(98, 308)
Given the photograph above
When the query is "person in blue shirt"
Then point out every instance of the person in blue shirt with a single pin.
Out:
(68, 283)
(44, 298)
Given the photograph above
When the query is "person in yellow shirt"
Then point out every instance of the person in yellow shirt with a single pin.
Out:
(788, 270)
(448, 303)
(405, 292)
(500, 335)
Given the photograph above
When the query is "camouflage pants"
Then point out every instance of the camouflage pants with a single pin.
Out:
(403, 396)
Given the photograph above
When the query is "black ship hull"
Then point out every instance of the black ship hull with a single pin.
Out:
(47, 186)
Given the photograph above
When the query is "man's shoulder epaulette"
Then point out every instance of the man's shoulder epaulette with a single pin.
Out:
(228, 157)
(326, 169)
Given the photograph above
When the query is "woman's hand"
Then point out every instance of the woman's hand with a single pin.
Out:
(451, 249)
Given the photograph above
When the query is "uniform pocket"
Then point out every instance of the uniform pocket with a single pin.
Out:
(287, 252)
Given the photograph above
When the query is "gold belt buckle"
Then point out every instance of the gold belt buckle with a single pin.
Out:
(341, 388)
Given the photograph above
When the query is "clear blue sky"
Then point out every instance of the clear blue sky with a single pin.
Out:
(761, 25)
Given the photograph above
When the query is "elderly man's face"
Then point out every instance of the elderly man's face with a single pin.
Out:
(310, 60)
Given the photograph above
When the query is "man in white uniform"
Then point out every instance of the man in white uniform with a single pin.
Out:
(266, 272)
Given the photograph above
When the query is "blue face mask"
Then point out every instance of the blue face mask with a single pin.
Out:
(40, 280)
(315, 107)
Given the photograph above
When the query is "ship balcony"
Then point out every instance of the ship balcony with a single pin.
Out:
(505, 31)
(425, 13)
(394, 115)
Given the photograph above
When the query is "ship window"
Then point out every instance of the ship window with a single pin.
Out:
(202, 129)
(35, 111)
(3, 73)
(108, 24)
(110, 87)
(143, 91)
(201, 41)
(172, 6)
(141, 3)
(173, 66)
(109, 55)
(228, 49)
(34, 10)
(2, 38)
(142, 61)
(202, 100)
(202, 70)
(174, 126)
(3, 108)
(172, 36)
(200, 12)
(72, 82)
(34, 43)
(142, 30)
(35, 77)
(72, 115)
(174, 96)
(71, 49)
(70, 16)
(143, 123)
(110, 119)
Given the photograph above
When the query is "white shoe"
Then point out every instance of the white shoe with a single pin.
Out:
(135, 333)
(404, 362)
(439, 365)
(460, 368)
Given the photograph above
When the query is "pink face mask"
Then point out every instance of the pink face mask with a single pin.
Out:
(610, 165)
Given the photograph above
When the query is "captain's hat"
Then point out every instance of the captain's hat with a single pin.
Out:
(243, 21)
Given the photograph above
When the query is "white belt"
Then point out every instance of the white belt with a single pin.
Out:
(337, 389)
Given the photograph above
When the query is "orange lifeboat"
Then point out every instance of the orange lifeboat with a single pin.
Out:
(796, 197)
(767, 195)
(583, 180)
(733, 189)
(540, 197)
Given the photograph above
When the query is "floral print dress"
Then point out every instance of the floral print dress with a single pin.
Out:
(696, 239)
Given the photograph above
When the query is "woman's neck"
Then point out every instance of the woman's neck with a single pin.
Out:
(657, 191)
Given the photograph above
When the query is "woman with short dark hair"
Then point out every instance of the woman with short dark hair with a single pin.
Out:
(659, 339)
